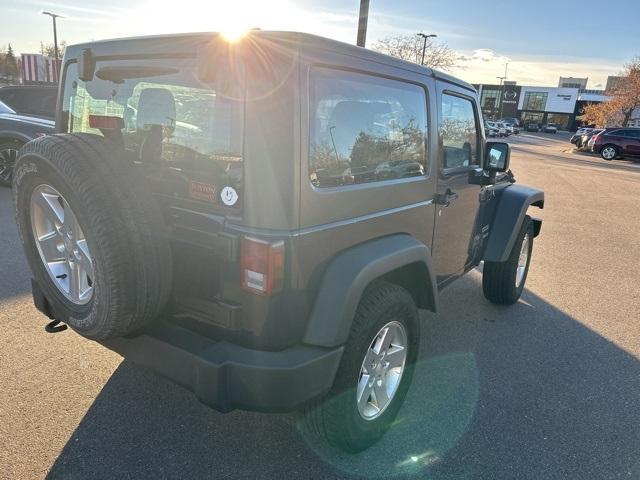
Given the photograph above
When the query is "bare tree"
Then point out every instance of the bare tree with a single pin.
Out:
(409, 47)
(622, 102)
(48, 49)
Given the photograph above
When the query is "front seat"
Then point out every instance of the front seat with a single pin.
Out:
(156, 112)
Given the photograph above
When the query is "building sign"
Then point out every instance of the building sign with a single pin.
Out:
(510, 99)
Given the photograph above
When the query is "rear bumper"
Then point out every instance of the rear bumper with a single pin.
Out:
(226, 376)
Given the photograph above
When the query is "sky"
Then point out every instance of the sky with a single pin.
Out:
(541, 40)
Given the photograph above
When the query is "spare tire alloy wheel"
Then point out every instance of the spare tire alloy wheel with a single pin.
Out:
(381, 370)
(8, 155)
(61, 244)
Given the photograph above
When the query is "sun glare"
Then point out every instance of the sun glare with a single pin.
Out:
(233, 35)
(233, 19)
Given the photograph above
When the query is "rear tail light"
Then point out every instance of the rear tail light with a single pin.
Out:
(106, 122)
(261, 266)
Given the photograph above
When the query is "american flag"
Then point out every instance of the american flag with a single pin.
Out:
(37, 68)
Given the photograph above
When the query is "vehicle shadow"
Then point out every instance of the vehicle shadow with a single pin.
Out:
(501, 393)
(15, 278)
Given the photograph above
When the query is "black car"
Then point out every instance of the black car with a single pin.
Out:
(15, 131)
(532, 127)
(33, 100)
(262, 237)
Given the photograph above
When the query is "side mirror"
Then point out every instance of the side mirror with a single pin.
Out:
(497, 156)
(86, 65)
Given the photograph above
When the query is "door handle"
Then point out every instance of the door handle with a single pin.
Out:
(445, 199)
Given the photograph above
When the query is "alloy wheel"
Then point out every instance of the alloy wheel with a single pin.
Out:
(62, 244)
(522, 261)
(8, 157)
(381, 371)
(609, 153)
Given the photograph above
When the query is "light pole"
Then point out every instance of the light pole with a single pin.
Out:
(55, 32)
(424, 45)
(362, 23)
(502, 80)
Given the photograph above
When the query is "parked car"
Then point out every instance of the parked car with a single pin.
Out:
(502, 131)
(33, 100)
(577, 137)
(550, 128)
(15, 131)
(532, 127)
(491, 131)
(583, 142)
(613, 143)
(287, 293)
(512, 124)
(511, 121)
(508, 128)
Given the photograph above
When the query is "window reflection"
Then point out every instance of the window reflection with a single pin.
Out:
(365, 129)
(459, 132)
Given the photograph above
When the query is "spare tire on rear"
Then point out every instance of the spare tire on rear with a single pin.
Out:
(93, 236)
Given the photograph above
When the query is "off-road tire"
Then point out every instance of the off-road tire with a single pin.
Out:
(122, 224)
(499, 278)
(335, 419)
(5, 146)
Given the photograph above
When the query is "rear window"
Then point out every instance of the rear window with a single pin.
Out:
(365, 129)
(169, 118)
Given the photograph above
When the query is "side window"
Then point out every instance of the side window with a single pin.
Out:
(459, 132)
(365, 129)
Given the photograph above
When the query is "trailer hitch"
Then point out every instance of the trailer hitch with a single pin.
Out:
(55, 327)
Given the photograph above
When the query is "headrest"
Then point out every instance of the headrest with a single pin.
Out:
(157, 106)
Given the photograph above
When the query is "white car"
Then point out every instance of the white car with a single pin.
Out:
(502, 131)
(508, 128)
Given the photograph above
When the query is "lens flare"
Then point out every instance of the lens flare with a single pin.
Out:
(233, 34)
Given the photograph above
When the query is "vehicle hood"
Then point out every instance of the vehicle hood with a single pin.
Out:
(39, 121)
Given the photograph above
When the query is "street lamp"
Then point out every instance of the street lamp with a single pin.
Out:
(362, 23)
(424, 45)
(502, 80)
(55, 33)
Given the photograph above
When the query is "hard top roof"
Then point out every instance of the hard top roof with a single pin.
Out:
(183, 42)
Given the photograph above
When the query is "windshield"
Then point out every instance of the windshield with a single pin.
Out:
(169, 119)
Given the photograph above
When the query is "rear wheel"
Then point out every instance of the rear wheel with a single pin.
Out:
(609, 152)
(8, 154)
(374, 374)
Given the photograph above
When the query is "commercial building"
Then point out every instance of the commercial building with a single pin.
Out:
(560, 105)
(571, 82)
(529, 104)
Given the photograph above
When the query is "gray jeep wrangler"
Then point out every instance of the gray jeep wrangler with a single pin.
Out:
(260, 221)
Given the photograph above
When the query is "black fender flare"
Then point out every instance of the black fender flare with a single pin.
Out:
(510, 212)
(351, 271)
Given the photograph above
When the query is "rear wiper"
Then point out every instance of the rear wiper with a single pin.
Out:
(120, 74)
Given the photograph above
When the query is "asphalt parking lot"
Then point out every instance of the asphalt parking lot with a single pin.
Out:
(546, 389)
